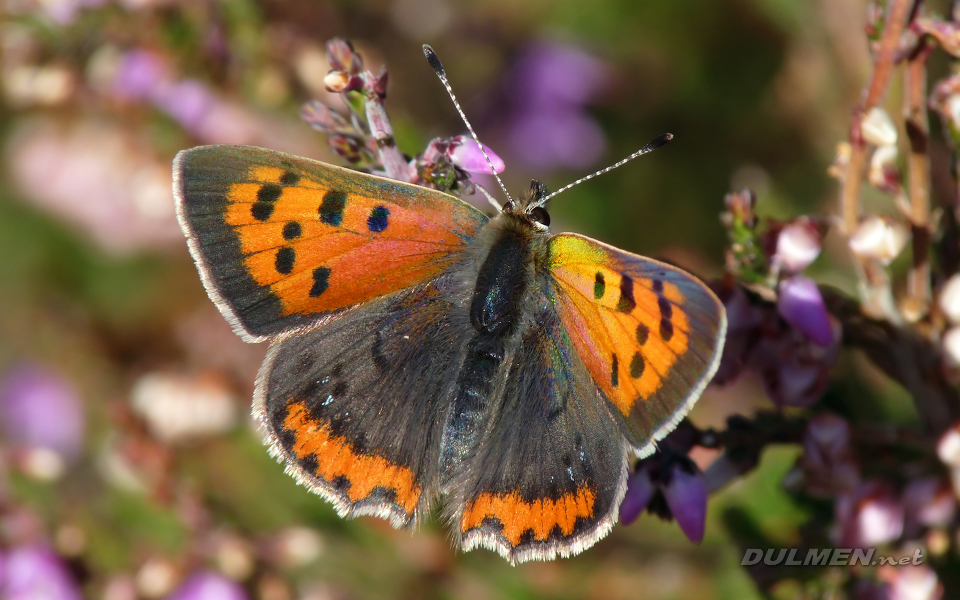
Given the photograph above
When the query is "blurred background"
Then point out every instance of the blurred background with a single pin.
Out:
(129, 467)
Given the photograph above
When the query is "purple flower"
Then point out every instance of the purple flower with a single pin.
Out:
(208, 585)
(187, 101)
(36, 573)
(827, 462)
(686, 495)
(41, 410)
(548, 126)
(557, 138)
(465, 154)
(669, 485)
(640, 490)
(800, 303)
(927, 502)
(140, 75)
(552, 74)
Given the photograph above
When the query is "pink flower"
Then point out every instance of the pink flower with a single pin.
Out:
(36, 573)
(41, 410)
(798, 245)
(465, 154)
(208, 585)
(869, 516)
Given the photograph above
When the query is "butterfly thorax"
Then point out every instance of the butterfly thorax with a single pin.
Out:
(499, 309)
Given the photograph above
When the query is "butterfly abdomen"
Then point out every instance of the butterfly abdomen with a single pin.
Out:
(496, 310)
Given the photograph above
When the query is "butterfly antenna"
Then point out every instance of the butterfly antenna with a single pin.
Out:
(438, 69)
(660, 141)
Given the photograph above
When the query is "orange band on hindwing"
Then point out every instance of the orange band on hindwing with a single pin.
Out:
(540, 516)
(336, 457)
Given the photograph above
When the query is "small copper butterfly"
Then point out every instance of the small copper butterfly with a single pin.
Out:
(420, 348)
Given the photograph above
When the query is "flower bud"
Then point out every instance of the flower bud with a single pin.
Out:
(877, 128)
(465, 153)
(883, 172)
(798, 245)
(341, 81)
(879, 238)
(951, 348)
(950, 299)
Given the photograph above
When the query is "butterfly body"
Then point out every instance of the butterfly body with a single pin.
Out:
(421, 349)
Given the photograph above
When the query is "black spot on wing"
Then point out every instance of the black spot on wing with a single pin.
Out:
(626, 303)
(331, 208)
(599, 286)
(643, 332)
(292, 230)
(321, 281)
(636, 366)
(378, 219)
(289, 178)
(614, 372)
(286, 257)
(269, 192)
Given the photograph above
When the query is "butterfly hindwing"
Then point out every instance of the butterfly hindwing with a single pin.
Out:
(355, 405)
(651, 335)
(550, 473)
(281, 240)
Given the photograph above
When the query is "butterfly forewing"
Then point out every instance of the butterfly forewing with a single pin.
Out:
(281, 240)
(650, 334)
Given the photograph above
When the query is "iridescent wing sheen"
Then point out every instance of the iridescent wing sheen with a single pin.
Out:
(355, 406)
(281, 240)
(548, 477)
(650, 334)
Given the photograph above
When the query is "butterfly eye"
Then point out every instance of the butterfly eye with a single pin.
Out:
(540, 215)
(508, 207)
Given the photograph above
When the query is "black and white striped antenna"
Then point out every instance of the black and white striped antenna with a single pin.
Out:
(438, 69)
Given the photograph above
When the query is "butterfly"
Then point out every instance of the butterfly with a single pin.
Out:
(420, 348)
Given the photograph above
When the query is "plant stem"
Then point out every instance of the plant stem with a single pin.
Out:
(918, 164)
(883, 66)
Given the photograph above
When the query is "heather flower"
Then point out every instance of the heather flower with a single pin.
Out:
(798, 245)
(178, 408)
(877, 128)
(869, 516)
(927, 502)
(208, 585)
(671, 486)
(465, 154)
(36, 573)
(828, 464)
(913, 582)
(794, 370)
(879, 238)
(950, 299)
(743, 319)
(119, 195)
(549, 127)
(41, 410)
(800, 304)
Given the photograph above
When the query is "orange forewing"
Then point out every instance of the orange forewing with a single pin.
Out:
(373, 239)
(628, 318)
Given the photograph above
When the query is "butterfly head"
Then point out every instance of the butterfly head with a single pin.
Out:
(529, 206)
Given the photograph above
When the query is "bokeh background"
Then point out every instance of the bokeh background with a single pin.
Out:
(129, 466)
